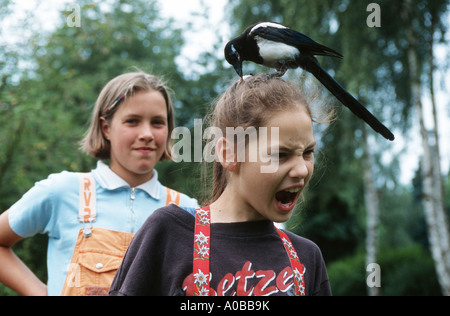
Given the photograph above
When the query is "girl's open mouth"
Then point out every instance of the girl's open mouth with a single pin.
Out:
(286, 199)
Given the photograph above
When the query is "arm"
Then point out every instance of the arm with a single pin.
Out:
(13, 272)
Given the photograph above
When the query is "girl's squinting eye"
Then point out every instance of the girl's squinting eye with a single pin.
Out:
(309, 153)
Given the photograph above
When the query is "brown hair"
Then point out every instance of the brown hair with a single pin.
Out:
(250, 103)
(94, 143)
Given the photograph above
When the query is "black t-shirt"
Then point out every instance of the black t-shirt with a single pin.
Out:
(246, 258)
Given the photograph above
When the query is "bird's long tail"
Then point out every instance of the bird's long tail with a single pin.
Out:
(313, 66)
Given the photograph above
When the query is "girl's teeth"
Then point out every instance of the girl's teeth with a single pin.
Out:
(293, 190)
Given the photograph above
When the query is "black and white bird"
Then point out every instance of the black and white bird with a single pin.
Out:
(277, 46)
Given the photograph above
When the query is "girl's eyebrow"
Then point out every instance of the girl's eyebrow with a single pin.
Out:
(291, 148)
(160, 117)
(134, 115)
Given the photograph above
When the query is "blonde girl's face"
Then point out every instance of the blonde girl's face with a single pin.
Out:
(273, 195)
(138, 133)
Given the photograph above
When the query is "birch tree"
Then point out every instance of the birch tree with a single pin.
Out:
(373, 212)
(432, 197)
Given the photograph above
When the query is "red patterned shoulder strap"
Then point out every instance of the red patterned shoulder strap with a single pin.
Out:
(298, 269)
(202, 240)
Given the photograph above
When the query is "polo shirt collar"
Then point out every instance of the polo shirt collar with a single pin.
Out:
(109, 180)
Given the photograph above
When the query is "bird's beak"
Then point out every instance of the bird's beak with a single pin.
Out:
(238, 67)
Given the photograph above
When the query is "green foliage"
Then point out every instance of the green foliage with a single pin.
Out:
(404, 272)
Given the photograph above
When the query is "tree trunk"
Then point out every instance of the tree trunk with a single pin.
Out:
(372, 207)
(434, 213)
(431, 198)
(438, 185)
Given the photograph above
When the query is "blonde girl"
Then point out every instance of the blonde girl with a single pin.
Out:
(90, 218)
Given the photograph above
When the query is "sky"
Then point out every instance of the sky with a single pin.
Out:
(206, 32)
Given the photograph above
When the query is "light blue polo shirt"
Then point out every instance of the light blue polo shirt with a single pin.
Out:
(51, 207)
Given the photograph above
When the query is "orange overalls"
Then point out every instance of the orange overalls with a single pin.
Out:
(98, 252)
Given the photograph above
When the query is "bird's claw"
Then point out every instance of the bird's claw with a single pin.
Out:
(278, 74)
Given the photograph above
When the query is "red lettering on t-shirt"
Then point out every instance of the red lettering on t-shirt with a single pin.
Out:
(187, 285)
(268, 282)
(225, 285)
(242, 276)
(263, 288)
(283, 278)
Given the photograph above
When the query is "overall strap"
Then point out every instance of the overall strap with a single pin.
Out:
(87, 210)
(202, 245)
(173, 197)
(202, 240)
(298, 269)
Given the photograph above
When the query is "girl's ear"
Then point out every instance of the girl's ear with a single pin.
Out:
(226, 155)
(104, 127)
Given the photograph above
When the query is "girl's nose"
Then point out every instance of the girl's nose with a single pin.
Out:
(146, 133)
(299, 169)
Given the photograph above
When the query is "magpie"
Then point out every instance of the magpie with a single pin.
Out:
(276, 46)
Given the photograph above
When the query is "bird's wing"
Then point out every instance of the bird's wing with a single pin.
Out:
(296, 39)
